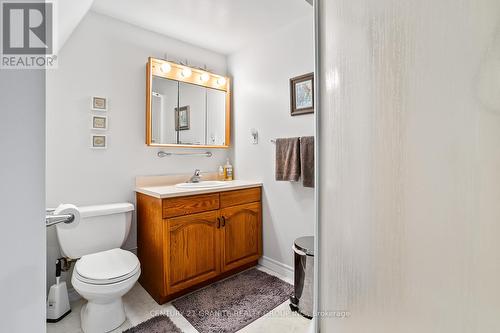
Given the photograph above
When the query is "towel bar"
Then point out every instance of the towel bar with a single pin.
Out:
(163, 154)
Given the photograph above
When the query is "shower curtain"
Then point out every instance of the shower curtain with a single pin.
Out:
(409, 166)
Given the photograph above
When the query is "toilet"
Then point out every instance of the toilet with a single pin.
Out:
(104, 272)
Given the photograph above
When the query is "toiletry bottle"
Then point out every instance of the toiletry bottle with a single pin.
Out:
(228, 171)
(221, 175)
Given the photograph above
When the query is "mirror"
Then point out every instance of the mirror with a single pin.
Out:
(186, 107)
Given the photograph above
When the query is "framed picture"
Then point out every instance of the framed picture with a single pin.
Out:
(99, 104)
(99, 122)
(98, 141)
(182, 122)
(302, 94)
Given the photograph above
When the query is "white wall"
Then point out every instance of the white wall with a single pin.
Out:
(261, 74)
(410, 165)
(106, 57)
(22, 203)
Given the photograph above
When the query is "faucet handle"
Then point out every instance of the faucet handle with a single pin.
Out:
(195, 178)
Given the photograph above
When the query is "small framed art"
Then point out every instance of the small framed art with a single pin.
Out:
(182, 118)
(99, 122)
(302, 94)
(99, 104)
(98, 141)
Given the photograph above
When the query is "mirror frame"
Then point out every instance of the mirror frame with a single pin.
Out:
(153, 67)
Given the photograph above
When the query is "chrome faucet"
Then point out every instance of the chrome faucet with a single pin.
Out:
(195, 178)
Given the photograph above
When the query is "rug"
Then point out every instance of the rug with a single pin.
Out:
(158, 324)
(229, 305)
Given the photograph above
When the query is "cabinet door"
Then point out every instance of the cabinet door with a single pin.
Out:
(241, 235)
(192, 251)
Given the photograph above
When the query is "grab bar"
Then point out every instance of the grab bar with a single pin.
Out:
(51, 219)
(164, 153)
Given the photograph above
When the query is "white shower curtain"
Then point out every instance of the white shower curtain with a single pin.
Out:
(409, 140)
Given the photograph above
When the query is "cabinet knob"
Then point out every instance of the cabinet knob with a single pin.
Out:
(223, 221)
(218, 222)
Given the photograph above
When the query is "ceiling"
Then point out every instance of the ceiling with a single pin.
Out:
(224, 26)
(69, 15)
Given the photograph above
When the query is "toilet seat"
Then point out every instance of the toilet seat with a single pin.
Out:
(106, 267)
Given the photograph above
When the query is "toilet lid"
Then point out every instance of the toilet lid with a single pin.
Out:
(107, 265)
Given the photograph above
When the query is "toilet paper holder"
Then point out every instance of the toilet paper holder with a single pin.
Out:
(51, 219)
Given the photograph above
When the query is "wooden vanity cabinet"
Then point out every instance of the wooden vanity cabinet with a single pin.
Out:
(241, 235)
(193, 250)
(188, 242)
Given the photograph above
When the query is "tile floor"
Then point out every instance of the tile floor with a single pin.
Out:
(139, 306)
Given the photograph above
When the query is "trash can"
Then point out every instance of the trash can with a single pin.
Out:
(302, 300)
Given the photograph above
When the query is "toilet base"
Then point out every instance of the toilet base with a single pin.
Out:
(102, 317)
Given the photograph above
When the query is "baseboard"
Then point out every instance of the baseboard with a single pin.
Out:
(276, 266)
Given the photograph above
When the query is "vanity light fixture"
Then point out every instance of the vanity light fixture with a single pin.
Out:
(221, 81)
(204, 77)
(186, 72)
(165, 67)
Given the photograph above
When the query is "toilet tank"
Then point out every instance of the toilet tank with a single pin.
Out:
(101, 227)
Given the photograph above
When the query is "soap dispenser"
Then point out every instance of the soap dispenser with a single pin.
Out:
(228, 171)
(221, 175)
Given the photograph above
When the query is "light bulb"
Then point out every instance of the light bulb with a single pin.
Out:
(186, 72)
(165, 67)
(204, 77)
(221, 81)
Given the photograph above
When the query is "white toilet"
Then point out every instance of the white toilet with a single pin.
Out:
(104, 272)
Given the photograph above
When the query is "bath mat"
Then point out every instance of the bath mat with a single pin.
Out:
(158, 324)
(229, 305)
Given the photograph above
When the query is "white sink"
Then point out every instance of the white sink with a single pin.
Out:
(204, 184)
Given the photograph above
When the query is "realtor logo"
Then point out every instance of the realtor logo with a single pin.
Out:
(27, 35)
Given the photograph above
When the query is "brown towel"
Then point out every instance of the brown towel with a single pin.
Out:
(307, 160)
(288, 159)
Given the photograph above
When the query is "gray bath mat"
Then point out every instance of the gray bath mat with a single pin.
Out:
(229, 305)
(158, 324)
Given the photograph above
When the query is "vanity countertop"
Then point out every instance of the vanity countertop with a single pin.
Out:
(171, 191)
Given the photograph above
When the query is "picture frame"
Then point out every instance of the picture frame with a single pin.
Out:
(302, 94)
(99, 104)
(182, 118)
(98, 141)
(98, 122)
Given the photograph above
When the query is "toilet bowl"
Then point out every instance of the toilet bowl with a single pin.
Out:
(103, 272)
(102, 279)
